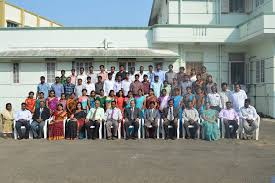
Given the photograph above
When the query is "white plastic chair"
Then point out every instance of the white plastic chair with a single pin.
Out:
(143, 128)
(231, 126)
(118, 130)
(99, 131)
(170, 127)
(132, 127)
(22, 127)
(191, 126)
(257, 131)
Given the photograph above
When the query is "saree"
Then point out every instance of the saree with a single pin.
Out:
(92, 102)
(139, 104)
(177, 101)
(84, 101)
(30, 104)
(76, 127)
(187, 98)
(128, 101)
(120, 103)
(56, 128)
(163, 102)
(210, 126)
(71, 106)
(64, 103)
(7, 121)
(200, 100)
(150, 99)
(108, 102)
(52, 104)
(102, 101)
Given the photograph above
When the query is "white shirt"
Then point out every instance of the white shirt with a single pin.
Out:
(83, 77)
(114, 76)
(225, 97)
(108, 86)
(99, 116)
(248, 113)
(193, 78)
(126, 86)
(114, 114)
(90, 87)
(141, 76)
(214, 99)
(238, 99)
(132, 77)
(170, 111)
(118, 86)
(25, 115)
(78, 90)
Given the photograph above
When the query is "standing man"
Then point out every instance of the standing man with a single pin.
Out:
(89, 86)
(156, 86)
(160, 73)
(40, 115)
(68, 87)
(113, 117)
(118, 84)
(191, 116)
(43, 87)
(63, 77)
(141, 73)
(204, 73)
(146, 85)
(151, 118)
(122, 72)
(229, 117)
(150, 74)
(93, 119)
(57, 87)
(132, 74)
(81, 75)
(99, 85)
(238, 97)
(185, 84)
(167, 87)
(214, 99)
(209, 84)
(113, 70)
(23, 118)
(108, 85)
(225, 95)
(248, 115)
(92, 75)
(103, 73)
(170, 75)
(126, 83)
(193, 76)
(79, 87)
(136, 86)
(170, 116)
(175, 85)
(132, 117)
(73, 77)
(181, 75)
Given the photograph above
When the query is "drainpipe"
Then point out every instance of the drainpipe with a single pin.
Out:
(220, 63)
(180, 4)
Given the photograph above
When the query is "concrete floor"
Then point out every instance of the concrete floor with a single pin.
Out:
(192, 161)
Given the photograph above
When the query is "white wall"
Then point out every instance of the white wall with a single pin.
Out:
(44, 23)
(30, 20)
(12, 13)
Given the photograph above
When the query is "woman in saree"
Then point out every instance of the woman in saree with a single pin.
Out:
(199, 83)
(140, 102)
(63, 101)
(52, 102)
(152, 98)
(56, 128)
(75, 126)
(163, 100)
(210, 127)
(40, 98)
(128, 99)
(200, 100)
(189, 97)
(92, 99)
(101, 98)
(120, 100)
(30, 102)
(71, 105)
(7, 117)
(110, 99)
(84, 100)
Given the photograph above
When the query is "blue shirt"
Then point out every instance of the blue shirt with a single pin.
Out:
(45, 88)
(161, 75)
(58, 89)
(151, 76)
(69, 88)
(156, 87)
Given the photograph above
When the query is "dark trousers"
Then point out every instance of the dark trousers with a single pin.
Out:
(71, 129)
(18, 126)
(128, 123)
(92, 132)
(191, 133)
(230, 132)
(173, 123)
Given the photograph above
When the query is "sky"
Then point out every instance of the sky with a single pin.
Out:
(94, 13)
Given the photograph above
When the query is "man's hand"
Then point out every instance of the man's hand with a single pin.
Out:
(137, 120)
(191, 121)
(86, 120)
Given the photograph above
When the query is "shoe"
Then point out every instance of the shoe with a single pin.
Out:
(127, 138)
(113, 138)
(108, 138)
(173, 138)
(166, 138)
(19, 138)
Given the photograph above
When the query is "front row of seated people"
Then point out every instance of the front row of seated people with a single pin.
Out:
(79, 122)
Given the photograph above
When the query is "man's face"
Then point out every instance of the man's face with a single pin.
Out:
(79, 82)
(224, 87)
(190, 105)
(73, 72)
(127, 76)
(121, 68)
(81, 71)
(63, 73)
(89, 80)
(156, 79)
(102, 93)
(182, 70)
(136, 77)
(246, 104)
(68, 80)
(141, 69)
(23, 107)
(42, 104)
(132, 70)
(132, 104)
(171, 104)
(102, 69)
(99, 79)
(110, 77)
(213, 89)
(119, 78)
(97, 104)
(203, 69)
(150, 69)
(42, 80)
(112, 69)
(57, 80)
(228, 105)
(209, 79)
(198, 77)
(237, 88)
(158, 67)
(186, 78)
(91, 70)
(170, 68)
(113, 105)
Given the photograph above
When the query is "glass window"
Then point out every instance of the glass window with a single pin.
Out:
(12, 24)
(236, 6)
(15, 72)
(262, 71)
(259, 3)
(258, 71)
(85, 64)
(127, 63)
(237, 73)
(51, 72)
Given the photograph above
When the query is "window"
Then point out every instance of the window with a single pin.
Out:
(258, 71)
(262, 71)
(236, 6)
(247, 72)
(259, 3)
(237, 68)
(15, 72)
(193, 65)
(12, 24)
(82, 63)
(127, 63)
(51, 72)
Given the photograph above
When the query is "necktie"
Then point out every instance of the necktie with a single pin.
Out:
(171, 113)
(93, 118)
(40, 114)
(151, 115)
(112, 115)
(132, 114)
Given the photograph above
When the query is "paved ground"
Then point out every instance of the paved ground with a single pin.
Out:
(191, 161)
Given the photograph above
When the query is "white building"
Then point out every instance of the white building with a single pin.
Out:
(234, 39)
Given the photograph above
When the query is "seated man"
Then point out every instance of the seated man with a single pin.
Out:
(229, 117)
(40, 115)
(113, 117)
(191, 116)
(151, 118)
(170, 116)
(23, 118)
(132, 116)
(248, 115)
(94, 118)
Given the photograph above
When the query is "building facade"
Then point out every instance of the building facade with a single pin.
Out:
(14, 16)
(234, 39)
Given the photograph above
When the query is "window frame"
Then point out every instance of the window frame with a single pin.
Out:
(18, 80)
(12, 23)
(47, 71)
(127, 63)
(85, 63)
(237, 9)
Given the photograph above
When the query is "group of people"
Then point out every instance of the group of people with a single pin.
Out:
(87, 100)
